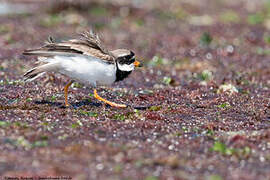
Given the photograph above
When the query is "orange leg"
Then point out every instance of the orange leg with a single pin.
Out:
(108, 102)
(66, 93)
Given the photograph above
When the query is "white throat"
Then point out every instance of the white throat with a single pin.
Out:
(126, 67)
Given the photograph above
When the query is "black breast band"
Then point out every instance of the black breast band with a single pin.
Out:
(120, 75)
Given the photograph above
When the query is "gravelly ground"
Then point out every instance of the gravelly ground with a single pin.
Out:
(203, 93)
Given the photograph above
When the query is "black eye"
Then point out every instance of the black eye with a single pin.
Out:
(128, 59)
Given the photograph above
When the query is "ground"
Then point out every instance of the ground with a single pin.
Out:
(199, 108)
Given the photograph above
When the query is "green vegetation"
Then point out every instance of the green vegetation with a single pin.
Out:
(51, 20)
(177, 13)
(254, 19)
(267, 39)
(214, 177)
(206, 39)
(120, 117)
(139, 22)
(224, 105)
(76, 124)
(88, 113)
(229, 17)
(29, 99)
(224, 150)
(53, 98)
(167, 80)
(98, 11)
(206, 75)
(41, 143)
(155, 108)
(76, 85)
(157, 61)
(4, 29)
(151, 178)
(4, 124)
(116, 22)
(262, 51)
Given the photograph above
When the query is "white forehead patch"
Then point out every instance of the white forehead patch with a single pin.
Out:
(122, 54)
(126, 67)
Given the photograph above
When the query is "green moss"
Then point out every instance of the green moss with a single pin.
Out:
(118, 168)
(76, 85)
(51, 21)
(254, 19)
(4, 29)
(221, 148)
(41, 143)
(4, 124)
(9, 39)
(29, 99)
(224, 105)
(224, 150)
(21, 125)
(151, 178)
(139, 22)
(229, 17)
(116, 22)
(98, 11)
(167, 80)
(99, 26)
(22, 142)
(267, 39)
(120, 117)
(210, 132)
(177, 13)
(44, 137)
(205, 75)
(180, 13)
(76, 125)
(178, 134)
(53, 98)
(157, 61)
(155, 108)
(262, 51)
(206, 39)
(91, 114)
(214, 177)
(139, 163)
(45, 124)
(14, 82)
(63, 137)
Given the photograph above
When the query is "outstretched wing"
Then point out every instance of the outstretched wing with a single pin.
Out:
(88, 44)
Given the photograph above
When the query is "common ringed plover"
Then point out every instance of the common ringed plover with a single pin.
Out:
(85, 60)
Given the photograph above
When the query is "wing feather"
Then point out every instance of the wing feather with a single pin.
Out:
(89, 44)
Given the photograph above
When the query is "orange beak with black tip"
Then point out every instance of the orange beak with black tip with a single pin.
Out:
(137, 64)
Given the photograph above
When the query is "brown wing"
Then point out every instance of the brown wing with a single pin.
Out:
(89, 44)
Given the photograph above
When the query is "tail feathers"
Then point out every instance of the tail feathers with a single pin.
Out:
(32, 74)
(38, 71)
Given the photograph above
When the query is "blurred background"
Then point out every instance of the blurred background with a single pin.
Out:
(192, 38)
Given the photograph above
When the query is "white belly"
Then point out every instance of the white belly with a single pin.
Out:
(86, 69)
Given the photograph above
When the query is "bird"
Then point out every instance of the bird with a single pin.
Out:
(83, 59)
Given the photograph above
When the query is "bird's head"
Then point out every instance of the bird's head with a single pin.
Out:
(125, 63)
(125, 59)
